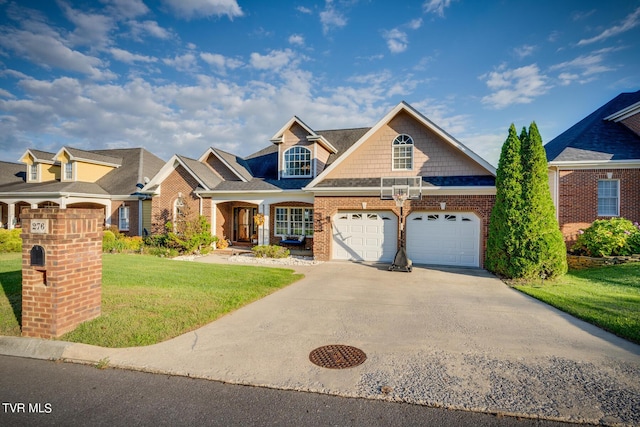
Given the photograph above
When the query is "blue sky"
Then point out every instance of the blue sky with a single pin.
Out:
(179, 76)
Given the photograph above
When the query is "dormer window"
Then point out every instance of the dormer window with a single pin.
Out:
(33, 172)
(403, 153)
(68, 171)
(297, 162)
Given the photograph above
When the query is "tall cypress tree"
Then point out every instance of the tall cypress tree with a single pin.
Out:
(503, 243)
(544, 251)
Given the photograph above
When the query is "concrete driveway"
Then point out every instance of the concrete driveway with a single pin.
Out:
(457, 338)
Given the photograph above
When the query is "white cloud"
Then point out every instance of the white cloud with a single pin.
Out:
(186, 62)
(202, 8)
(331, 18)
(220, 62)
(436, 7)
(49, 51)
(514, 86)
(304, 10)
(524, 51)
(296, 39)
(92, 29)
(151, 28)
(128, 57)
(583, 68)
(631, 21)
(274, 60)
(126, 8)
(397, 41)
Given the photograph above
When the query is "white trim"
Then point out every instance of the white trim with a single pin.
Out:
(403, 106)
(625, 113)
(375, 191)
(596, 164)
(82, 159)
(34, 157)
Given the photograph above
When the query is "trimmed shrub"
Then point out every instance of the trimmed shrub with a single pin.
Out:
(10, 240)
(608, 237)
(270, 251)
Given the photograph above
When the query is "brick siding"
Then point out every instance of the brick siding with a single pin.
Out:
(578, 198)
(67, 290)
(179, 181)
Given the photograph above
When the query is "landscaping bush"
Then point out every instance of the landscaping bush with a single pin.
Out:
(270, 251)
(116, 242)
(608, 237)
(10, 240)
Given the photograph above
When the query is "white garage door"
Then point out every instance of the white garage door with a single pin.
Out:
(445, 238)
(365, 236)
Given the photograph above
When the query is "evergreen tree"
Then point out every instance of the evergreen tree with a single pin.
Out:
(544, 251)
(503, 243)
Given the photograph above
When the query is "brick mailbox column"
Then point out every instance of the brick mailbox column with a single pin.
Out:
(61, 269)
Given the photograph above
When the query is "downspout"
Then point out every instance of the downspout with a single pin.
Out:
(200, 204)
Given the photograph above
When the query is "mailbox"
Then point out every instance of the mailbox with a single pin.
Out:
(37, 256)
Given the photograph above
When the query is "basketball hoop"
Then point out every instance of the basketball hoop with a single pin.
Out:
(399, 198)
(400, 194)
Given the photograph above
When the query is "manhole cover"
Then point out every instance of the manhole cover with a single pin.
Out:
(337, 356)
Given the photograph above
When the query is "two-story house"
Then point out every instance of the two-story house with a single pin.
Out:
(103, 179)
(334, 190)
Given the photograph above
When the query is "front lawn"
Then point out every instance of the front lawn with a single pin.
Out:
(146, 299)
(608, 297)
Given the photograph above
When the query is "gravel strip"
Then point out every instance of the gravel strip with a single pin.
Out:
(552, 388)
(291, 260)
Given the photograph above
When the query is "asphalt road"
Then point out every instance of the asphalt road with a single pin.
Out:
(39, 393)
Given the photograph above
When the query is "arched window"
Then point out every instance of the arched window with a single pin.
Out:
(179, 211)
(403, 153)
(297, 162)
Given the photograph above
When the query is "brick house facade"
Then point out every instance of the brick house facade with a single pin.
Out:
(594, 167)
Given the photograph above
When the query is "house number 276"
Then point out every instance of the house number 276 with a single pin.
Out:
(39, 226)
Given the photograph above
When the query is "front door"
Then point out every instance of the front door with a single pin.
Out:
(243, 225)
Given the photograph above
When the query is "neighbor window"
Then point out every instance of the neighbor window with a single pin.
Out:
(608, 197)
(294, 222)
(68, 171)
(123, 215)
(33, 172)
(297, 162)
(403, 152)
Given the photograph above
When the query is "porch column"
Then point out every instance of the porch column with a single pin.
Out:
(263, 235)
(214, 217)
(11, 216)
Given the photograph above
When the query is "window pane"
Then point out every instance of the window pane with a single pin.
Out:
(282, 221)
(608, 198)
(297, 161)
(308, 222)
(403, 152)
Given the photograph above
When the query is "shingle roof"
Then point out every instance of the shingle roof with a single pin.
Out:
(594, 138)
(42, 155)
(202, 172)
(238, 164)
(342, 139)
(11, 173)
(136, 164)
(95, 156)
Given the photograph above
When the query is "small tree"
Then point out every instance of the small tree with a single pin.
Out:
(545, 253)
(503, 244)
(524, 238)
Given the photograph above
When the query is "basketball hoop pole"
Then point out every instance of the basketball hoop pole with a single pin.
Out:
(399, 198)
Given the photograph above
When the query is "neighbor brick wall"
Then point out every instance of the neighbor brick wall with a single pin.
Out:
(66, 291)
(326, 207)
(578, 198)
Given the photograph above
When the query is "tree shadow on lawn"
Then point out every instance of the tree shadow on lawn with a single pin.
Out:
(11, 282)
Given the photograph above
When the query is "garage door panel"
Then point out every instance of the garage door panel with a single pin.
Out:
(364, 236)
(447, 238)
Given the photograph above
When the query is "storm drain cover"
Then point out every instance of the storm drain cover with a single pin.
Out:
(337, 356)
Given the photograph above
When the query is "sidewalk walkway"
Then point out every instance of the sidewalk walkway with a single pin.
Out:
(456, 338)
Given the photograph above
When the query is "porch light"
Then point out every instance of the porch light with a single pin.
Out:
(443, 205)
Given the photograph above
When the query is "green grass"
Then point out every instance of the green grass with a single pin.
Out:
(146, 300)
(608, 297)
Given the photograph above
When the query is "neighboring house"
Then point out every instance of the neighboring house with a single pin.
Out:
(105, 179)
(333, 190)
(594, 166)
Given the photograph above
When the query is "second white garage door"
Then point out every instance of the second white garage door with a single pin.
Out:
(365, 236)
(445, 238)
